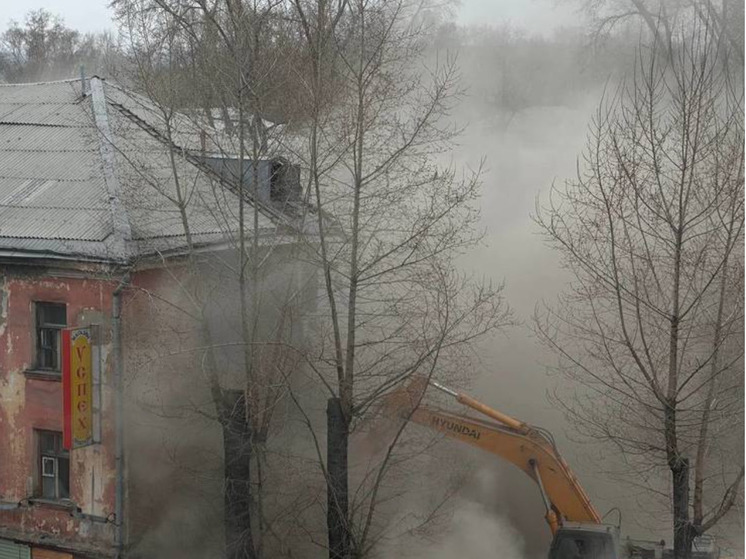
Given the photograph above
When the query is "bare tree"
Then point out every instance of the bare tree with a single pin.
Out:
(667, 17)
(44, 48)
(390, 224)
(207, 72)
(652, 232)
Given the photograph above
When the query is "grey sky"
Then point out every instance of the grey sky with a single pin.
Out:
(84, 15)
(537, 16)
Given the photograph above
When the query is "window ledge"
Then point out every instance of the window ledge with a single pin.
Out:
(43, 375)
(65, 504)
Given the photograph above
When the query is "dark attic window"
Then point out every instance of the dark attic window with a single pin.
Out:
(284, 181)
(51, 318)
(276, 181)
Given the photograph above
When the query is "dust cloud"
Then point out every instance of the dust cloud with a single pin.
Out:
(526, 111)
(477, 533)
(529, 102)
(528, 105)
(473, 531)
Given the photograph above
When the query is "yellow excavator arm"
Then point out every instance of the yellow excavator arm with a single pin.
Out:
(529, 448)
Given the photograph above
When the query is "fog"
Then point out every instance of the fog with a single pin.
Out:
(524, 153)
(539, 146)
(532, 80)
(476, 530)
(526, 147)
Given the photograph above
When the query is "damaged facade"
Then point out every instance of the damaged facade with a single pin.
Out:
(90, 234)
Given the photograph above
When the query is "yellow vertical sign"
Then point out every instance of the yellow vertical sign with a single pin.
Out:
(77, 379)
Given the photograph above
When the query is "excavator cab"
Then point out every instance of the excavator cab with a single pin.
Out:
(585, 541)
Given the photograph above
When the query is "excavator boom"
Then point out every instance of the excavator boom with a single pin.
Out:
(527, 447)
(576, 525)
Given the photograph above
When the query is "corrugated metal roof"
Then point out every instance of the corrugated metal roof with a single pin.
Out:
(184, 131)
(54, 223)
(149, 189)
(58, 248)
(64, 91)
(51, 188)
(56, 114)
(60, 165)
(54, 198)
(33, 138)
(51, 193)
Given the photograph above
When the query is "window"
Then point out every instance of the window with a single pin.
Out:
(284, 182)
(54, 466)
(50, 319)
(276, 181)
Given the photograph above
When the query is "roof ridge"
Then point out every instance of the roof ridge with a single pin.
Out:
(122, 230)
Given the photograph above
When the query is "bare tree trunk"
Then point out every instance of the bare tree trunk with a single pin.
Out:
(239, 542)
(683, 535)
(679, 466)
(337, 495)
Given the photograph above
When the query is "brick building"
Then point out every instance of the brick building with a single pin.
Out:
(89, 230)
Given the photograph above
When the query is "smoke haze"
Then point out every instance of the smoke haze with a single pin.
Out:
(531, 92)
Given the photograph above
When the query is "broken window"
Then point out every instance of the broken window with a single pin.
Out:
(54, 466)
(51, 318)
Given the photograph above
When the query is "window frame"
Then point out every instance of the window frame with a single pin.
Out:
(50, 457)
(37, 337)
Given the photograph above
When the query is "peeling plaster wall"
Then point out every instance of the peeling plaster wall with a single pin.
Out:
(28, 403)
(169, 443)
(3, 304)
